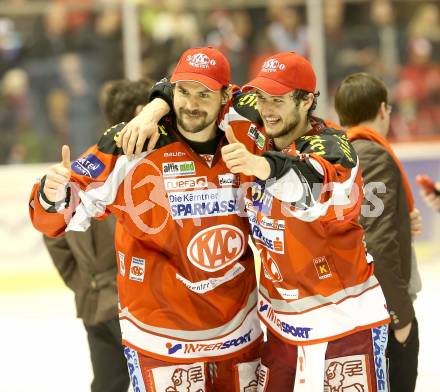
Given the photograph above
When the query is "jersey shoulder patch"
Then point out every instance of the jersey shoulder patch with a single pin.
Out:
(107, 143)
(331, 144)
(245, 105)
(109, 138)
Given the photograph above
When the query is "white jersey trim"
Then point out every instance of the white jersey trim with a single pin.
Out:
(326, 322)
(193, 346)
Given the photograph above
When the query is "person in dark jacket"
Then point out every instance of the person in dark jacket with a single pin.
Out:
(86, 262)
(388, 217)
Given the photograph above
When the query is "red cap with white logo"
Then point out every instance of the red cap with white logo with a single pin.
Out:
(207, 66)
(282, 73)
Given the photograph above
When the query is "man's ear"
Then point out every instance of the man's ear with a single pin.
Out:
(382, 110)
(138, 110)
(226, 95)
(307, 102)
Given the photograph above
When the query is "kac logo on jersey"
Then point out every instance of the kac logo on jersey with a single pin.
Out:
(216, 247)
(199, 60)
(89, 166)
(137, 269)
(272, 65)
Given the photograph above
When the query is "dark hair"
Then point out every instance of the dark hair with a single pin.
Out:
(119, 99)
(358, 98)
(300, 95)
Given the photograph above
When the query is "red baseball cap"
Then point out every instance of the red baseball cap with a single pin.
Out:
(282, 73)
(204, 65)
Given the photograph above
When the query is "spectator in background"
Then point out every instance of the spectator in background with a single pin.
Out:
(387, 38)
(107, 45)
(86, 263)
(80, 86)
(42, 52)
(230, 32)
(426, 24)
(14, 115)
(10, 44)
(341, 56)
(417, 94)
(362, 105)
(287, 31)
(170, 31)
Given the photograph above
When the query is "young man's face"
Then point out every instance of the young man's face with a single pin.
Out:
(280, 114)
(196, 106)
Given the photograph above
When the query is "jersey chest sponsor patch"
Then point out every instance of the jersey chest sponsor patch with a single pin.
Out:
(261, 200)
(175, 169)
(202, 203)
(178, 184)
(271, 239)
(256, 136)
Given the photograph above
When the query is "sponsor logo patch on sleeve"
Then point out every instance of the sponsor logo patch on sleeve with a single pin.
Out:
(137, 269)
(256, 136)
(89, 166)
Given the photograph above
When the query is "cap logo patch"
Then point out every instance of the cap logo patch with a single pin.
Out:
(200, 60)
(272, 65)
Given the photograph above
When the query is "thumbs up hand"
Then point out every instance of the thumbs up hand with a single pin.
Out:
(239, 160)
(58, 177)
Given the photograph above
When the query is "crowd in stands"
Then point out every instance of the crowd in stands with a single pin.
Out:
(54, 63)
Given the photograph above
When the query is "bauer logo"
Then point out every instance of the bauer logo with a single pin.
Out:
(137, 269)
(89, 166)
(200, 60)
(175, 184)
(216, 247)
(174, 169)
(272, 65)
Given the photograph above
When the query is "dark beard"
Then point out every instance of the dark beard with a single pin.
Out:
(289, 127)
(193, 129)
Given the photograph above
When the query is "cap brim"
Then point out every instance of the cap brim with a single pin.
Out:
(208, 82)
(269, 86)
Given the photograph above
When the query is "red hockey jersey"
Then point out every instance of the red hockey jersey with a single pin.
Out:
(186, 282)
(317, 281)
